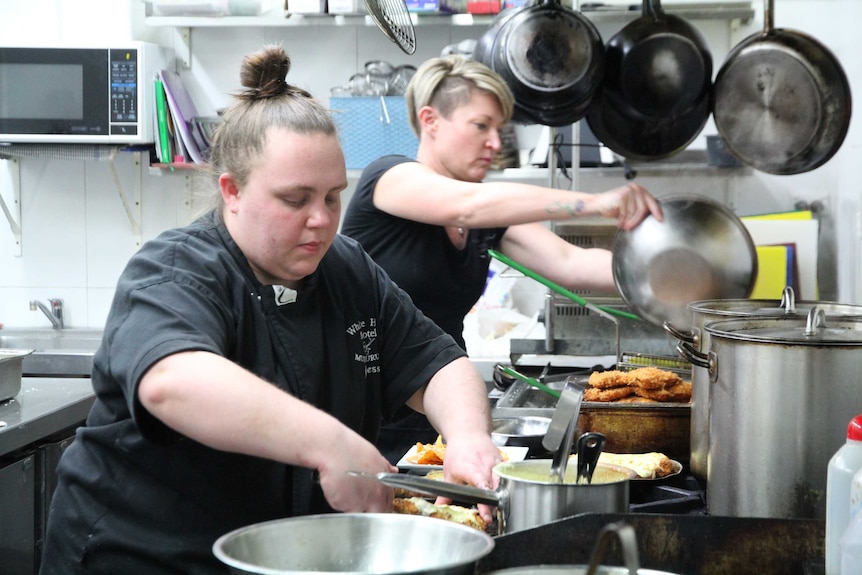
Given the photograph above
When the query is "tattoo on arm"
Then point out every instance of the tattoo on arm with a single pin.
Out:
(570, 209)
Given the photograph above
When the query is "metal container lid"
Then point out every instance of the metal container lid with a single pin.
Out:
(787, 306)
(814, 330)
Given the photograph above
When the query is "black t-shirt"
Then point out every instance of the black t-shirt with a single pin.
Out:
(136, 497)
(443, 281)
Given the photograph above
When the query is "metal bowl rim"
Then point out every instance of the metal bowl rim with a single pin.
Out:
(234, 563)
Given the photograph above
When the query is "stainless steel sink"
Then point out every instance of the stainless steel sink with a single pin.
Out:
(57, 352)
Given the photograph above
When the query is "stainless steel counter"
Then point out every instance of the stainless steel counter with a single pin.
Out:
(43, 407)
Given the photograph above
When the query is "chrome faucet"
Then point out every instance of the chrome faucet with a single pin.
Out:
(55, 313)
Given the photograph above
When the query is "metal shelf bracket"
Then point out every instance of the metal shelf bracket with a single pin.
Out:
(10, 200)
(131, 205)
(183, 46)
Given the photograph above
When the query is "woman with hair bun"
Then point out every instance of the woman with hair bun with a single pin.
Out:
(248, 359)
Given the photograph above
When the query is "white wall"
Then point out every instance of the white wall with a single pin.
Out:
(77, 235)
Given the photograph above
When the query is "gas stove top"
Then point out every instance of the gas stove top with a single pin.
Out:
(675, 543)
(682, 494)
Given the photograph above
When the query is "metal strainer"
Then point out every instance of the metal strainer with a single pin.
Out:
(392, 17)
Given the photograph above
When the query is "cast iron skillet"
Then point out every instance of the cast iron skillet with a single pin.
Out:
(657, 94)
(551, 57)
(636, 136)
(658, 64)
(782, 100)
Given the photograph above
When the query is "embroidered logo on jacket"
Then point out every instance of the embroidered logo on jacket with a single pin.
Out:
(367, 333)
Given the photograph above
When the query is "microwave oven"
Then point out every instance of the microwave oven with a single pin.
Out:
(80, 95)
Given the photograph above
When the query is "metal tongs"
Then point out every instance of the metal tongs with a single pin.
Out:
(561, 431)
(590, 446)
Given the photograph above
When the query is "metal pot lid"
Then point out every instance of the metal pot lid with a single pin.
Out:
(772, 308)
(814, 330)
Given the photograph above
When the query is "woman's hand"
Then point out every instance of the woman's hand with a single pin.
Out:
(470, 460)
(351, 494)
(629, 204)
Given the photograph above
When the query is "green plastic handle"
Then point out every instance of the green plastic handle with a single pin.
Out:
(556, 287)
(534, 382)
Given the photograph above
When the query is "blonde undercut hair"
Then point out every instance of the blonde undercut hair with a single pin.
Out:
(449, 82)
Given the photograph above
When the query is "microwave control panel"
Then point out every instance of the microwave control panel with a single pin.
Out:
(124, 86)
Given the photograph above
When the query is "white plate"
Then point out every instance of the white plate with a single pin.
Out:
(512, 452)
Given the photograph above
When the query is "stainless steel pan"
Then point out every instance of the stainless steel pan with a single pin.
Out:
(526, 497)
(782, 100)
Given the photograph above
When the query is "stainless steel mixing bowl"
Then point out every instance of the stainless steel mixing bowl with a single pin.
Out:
(700, 251)
(353, 543)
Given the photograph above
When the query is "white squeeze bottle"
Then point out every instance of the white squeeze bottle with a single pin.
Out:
(839, 475)
(851, 541)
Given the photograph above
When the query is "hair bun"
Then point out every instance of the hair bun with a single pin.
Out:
(263, 73)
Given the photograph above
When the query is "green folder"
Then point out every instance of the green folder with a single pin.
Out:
(162, 119)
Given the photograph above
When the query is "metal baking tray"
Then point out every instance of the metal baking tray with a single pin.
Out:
(628, 427)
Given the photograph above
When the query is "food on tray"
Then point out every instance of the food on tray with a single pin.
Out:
(429, 453)
(641, 385)
(609, 379)
(678, 392)
(608, 394)
(647, 465)
(454, 513)
(434, 453)
(652, 378)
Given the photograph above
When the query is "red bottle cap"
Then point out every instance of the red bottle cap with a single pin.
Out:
(854, 430)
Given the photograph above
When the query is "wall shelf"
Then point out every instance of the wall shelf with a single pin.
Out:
(737, 12)
(742, 11)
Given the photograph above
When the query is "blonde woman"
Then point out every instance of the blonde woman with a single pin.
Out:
(430, 221)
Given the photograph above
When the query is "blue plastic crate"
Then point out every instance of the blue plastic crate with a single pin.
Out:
(370, 128)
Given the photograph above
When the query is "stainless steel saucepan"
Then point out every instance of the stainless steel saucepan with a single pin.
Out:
(526, 496)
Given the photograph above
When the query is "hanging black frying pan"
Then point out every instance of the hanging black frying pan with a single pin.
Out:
(658, 64)
(636, 136)
(668, 58)
(484, 50)
(551, 57)
(782, 100)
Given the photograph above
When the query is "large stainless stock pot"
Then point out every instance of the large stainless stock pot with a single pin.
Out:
(707, 311)
(781, 393)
